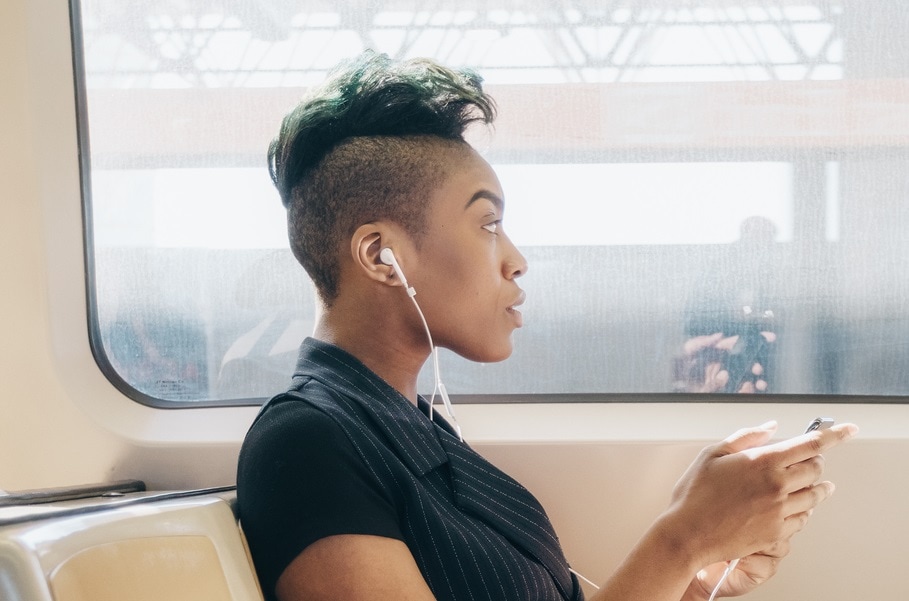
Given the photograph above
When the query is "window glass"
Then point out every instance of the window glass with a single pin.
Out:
(670, 172)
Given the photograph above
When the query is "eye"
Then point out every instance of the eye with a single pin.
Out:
(493, 227)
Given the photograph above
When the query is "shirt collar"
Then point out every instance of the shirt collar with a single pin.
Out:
(408, 429)
(423, 446)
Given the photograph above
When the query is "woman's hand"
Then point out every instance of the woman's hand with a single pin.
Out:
(749, 573)
(701, 367)
(743, 496)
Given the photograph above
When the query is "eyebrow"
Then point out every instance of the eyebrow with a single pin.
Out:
(488, 195)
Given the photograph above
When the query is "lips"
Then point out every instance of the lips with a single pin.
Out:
(512, 309)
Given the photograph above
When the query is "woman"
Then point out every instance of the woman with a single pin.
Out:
(350, 486)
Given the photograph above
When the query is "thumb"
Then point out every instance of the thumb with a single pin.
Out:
(748, 438)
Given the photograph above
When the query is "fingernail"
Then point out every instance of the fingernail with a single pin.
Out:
(851, 430)
(771, 425)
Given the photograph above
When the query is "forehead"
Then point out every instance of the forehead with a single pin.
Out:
(470, 181)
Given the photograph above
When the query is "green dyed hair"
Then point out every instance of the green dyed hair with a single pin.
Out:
(369, 144)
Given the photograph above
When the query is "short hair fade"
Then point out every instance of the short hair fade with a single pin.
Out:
(369, 144)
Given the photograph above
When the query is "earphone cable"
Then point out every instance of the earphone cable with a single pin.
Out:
(723, 578)
(438, 387)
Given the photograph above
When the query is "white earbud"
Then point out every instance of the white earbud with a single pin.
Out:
(388, 258)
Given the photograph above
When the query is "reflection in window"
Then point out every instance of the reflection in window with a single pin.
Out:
(665, 168)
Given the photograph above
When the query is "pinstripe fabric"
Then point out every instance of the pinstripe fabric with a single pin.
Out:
(475, 533)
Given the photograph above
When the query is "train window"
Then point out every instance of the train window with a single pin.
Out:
(673, 172)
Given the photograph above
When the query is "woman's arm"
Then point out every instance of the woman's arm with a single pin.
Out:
(354, 567)
(738, 499)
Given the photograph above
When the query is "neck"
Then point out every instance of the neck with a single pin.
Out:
(382, 342)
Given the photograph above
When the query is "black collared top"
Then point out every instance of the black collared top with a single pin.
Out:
(342, 452)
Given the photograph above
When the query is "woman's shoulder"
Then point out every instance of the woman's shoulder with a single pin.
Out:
(292, 426)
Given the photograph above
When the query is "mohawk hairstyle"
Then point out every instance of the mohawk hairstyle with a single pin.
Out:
(369, 144)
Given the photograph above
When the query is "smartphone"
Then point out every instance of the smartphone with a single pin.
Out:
(819, 423)
(750, 348)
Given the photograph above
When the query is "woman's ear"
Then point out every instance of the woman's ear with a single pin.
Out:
(366, 247)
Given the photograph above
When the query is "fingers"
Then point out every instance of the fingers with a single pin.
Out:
(805, 473)
(702, 367)
(787, 453)
(747, 387)
(803, 502)
(698, 343)
(750, 571)
(794, 466)
(763, 565)
(715, 377)
(726, 344)
(760, 567)
(748, 438)
(799, 448)
(758, 384)
(777, 550)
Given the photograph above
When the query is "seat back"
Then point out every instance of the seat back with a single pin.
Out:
(141, 549)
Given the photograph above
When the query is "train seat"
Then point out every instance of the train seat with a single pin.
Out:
(138, 547)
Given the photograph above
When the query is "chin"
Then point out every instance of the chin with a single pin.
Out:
(486, 354)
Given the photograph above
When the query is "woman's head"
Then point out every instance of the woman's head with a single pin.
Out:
(370, 144)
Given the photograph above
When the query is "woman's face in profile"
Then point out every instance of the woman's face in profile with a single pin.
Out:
(468, 265)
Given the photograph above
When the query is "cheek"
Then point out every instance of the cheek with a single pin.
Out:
(458, 273)
(460, 301)
(473, 287)
(462, 275)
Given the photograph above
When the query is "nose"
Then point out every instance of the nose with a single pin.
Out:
(514, 264)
